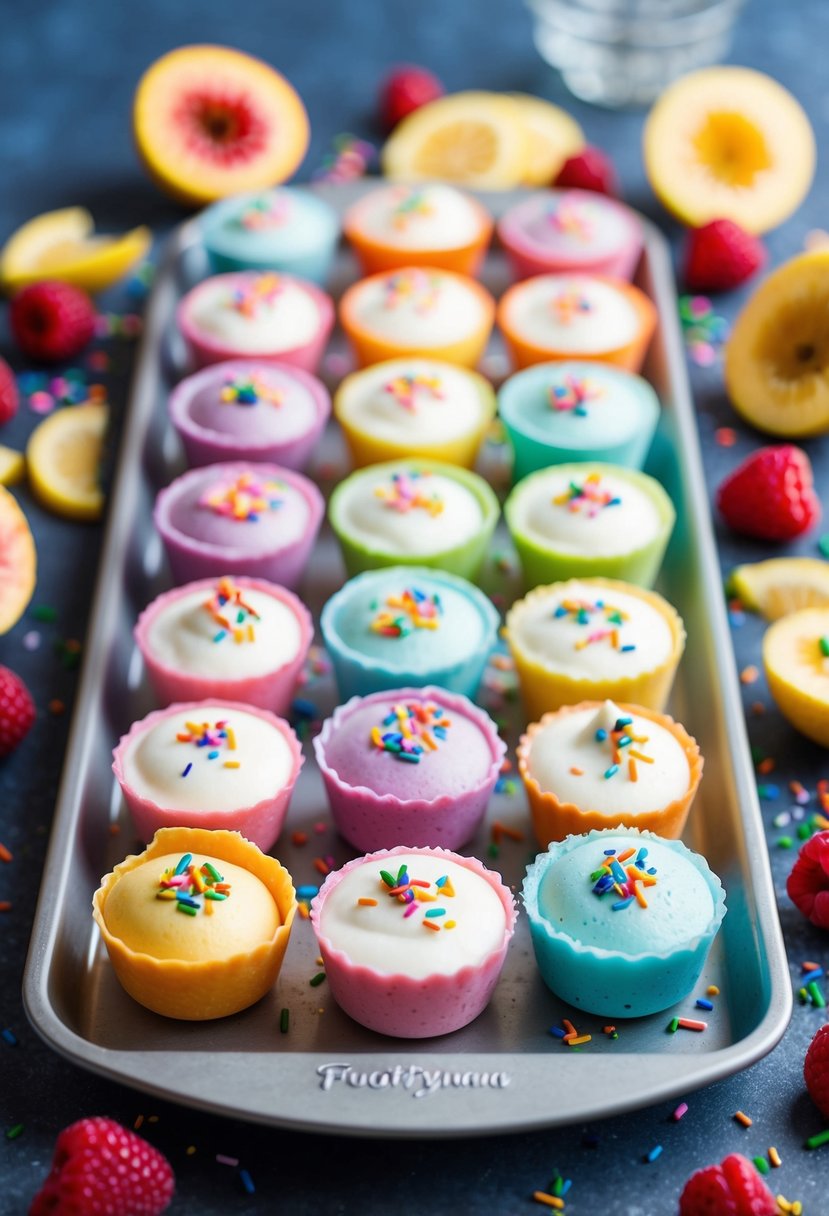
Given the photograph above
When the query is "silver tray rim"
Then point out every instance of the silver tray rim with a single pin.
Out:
(291, 1072)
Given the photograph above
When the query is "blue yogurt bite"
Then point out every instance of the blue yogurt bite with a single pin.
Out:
(577, 410)
(408, 626)
(283, 229)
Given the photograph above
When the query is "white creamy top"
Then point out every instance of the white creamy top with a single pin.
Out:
(572, 312)
(265, 314)
(416, 515)
(244, 761)
(382, 936)
(418, 307)
(417, 217)
(424, 400)
(576, 757)
(190, 635)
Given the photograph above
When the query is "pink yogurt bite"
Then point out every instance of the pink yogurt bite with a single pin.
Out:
(410, 766)
(241, 518)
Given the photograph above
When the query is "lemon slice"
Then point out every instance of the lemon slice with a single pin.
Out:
(782, 585)
(553, 137)
(62, 245)
(472, 139)
(797, 669)
(12, 466)
(18, 561)
(63, 456)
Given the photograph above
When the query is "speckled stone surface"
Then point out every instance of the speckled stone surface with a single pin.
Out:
(67, 74)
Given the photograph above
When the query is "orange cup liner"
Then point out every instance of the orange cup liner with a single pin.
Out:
(553, 820)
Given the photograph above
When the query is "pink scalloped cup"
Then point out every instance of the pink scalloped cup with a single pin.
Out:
(422, 987)
(206, 623)
(277, 318)
(243, 517)
(247, 409)
(422, 776)
(154, 785)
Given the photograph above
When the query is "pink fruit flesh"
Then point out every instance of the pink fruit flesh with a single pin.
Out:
(226, 128)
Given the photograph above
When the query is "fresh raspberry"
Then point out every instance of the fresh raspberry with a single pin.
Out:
(102, 1169)
(808, 883)
(816, 1070)
(405, 90)
(9, 396)
(589, 169)
(52, 320)
(770, 494)
(731, 1189)
(17, 711)
(721, 255)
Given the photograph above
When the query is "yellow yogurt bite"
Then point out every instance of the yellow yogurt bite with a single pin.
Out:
(191, 907)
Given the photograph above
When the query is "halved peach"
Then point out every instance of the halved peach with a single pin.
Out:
(211, 121)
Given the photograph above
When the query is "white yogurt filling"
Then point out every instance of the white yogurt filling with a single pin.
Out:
(382, 936)
(574, 313)
(418, 217)
(582, 759)
(417, 515)
(412, 399)
(241, 763)
(585, 513)
(416, 307)
(267, 314)
(197, 634)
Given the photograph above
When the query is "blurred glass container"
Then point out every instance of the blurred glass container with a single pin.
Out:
(625, 52)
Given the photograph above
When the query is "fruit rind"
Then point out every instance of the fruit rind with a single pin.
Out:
(793, 661)
(757, 391)
(781, 585)
(741, 96)
(62, 245)
(189, 179)
(18, 561)
(553, 135)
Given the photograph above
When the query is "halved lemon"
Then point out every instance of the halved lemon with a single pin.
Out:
(782, 585)
(63, 245)
(64, 456)
(18, 561)
(12, 466)
(474, 139)
(796, 658)
(553, 137)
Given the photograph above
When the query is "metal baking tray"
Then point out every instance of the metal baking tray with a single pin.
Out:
(505, 1072)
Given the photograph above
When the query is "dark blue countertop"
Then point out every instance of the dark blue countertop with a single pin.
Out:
(67, 76)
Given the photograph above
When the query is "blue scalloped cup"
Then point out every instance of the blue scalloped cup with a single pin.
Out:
(283, 229)
(559, 412)
(454, 655)
(648, 959)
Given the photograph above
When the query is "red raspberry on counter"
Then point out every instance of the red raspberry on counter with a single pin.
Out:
(770, 494)
(808, 883)
(589, 169)
(102, 1169)
(52, 321)
(17, 711)
(721, 255)
(816, 1070)
(405, 90)
(9, 395)
(731, 1189)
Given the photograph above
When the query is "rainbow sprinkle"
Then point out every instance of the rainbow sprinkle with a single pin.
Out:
(264, 213)
(417, 287)
(250, 390)
(411, 730)
(405, 494)
(573, 394)
(411, 609)
(192, 888)
(405, 390)
(620, 741)
(259, 291)
(412, 893)
(585, 612)
(570, 218)
(627, 883)
(230, 612)
(588, 498)
(244, 498)
(567, 305)
(412, 206)
(215, 739)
